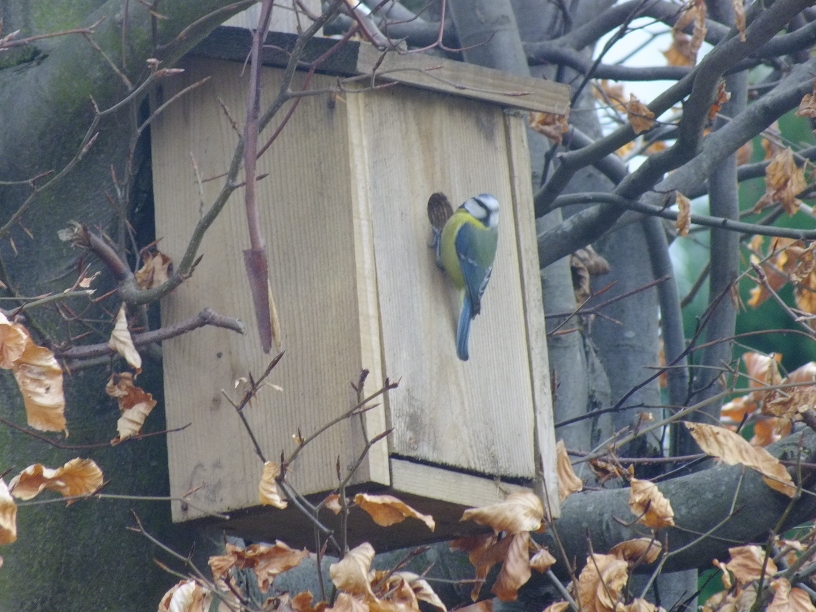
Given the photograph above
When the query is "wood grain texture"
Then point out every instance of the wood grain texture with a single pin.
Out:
(424, 71)
(475, 415)
(453, 487)
(307, 221)
(285, 17)
(519, 169)
(467, 80)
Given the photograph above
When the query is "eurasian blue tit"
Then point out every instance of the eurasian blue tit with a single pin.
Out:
(467, 249)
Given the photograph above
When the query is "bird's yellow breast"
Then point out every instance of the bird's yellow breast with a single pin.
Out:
(450, 258)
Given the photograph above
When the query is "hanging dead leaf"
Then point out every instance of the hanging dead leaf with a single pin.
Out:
(542, 560)
(347, 603)
(605, 470)
(268, 492)
(121, 341)
(387, 510)
(350, 574)
(134, 405)
(639, 550)
(302, 602)
(784, 180)
(39, 377)
(683, 221)
(421, 589)
(746, 564)
(568, 482)
(639, 115)
(807, 107)
(762, 371)
(733, 449)
(723, 96)
(647, 502)
(8, 515)
(601, 582)
(731, 601)
(392, 594)
(77, 477)
(515, 570)
(13, 340)
(266, 561)
(739, 17)
(186, 596)
(484, 551)
(155, 270)
(332, 502)
(521, 511)
(681, 51)
(549, 124)
(800, 601)
(558, 606)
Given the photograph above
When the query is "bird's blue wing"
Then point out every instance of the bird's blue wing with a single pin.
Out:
(471, 244)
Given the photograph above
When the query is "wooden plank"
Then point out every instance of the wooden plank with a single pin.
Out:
(476, 415)
(286, 17)
(519, 163)
(461, 79)
(306, 217)
(454, 487)
(427, 72)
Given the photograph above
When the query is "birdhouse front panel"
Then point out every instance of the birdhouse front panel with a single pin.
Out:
(343, 198)
(306, 215)
(475, 415)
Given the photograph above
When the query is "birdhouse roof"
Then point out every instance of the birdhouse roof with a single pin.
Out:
(417, 70)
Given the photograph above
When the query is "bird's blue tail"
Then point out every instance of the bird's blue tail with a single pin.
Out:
(463, 329)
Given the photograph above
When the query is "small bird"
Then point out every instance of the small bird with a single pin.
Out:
(467, 248)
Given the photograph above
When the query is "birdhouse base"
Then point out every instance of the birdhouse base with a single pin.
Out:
(438, 492)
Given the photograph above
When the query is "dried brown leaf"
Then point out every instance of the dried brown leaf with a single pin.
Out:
(568, 482)
(746, 564)
(723, 96)
(347, 603)
(155, 270)
(681, 52)
(332, 502)
(739, 17)
(267, 561)
(121, 341)
(186, 596)
(641, 550)
(683, 221)
(515, 570)
(39, 377)
(8, 515)
(649, 504)
(542, 560)
(268, 492)
(601, 582)
(558, 606)
(135, 405)
(733, 449)
(77, 477)
(351, 573)
(807, 107)
(521, 511)
(549, 124)
(13, 341)
(639, 115)
(387, 510)
(484, 551)
(421, 589)
(784, 180)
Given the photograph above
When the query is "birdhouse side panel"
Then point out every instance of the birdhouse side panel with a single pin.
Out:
(475, 415)
(306, 219)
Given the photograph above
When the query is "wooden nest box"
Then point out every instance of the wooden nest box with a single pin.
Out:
(343, 208)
